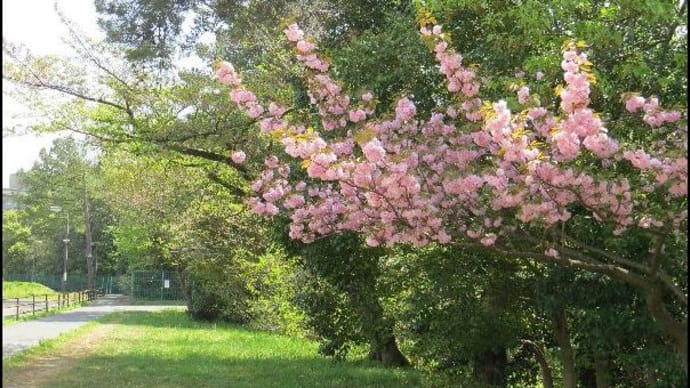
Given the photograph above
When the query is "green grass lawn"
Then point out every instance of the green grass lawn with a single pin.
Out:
(24, 289)
(168, 349)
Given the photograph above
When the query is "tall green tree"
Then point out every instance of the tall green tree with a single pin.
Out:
(61, 191)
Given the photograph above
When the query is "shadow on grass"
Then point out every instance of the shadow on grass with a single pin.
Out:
(170, 318)
(131, 370)
(239, 357)
(154, 302)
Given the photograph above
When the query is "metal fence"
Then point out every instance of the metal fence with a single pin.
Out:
(75, 282)
(139, 285)
(33, 304)
(155, 285)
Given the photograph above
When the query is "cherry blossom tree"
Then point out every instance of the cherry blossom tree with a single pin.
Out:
(521, 179)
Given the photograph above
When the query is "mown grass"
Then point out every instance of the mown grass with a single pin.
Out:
(24, 289)
(168, 349)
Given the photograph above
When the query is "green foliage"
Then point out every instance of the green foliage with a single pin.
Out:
(341, 295)
(274, 287)
(629, 42)
(176, 201)
(64, 177)
(454, 306)
(390, 61)
(16, 242)
(121, 20)
(218, 295)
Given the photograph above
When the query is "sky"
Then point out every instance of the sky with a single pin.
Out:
(35, 24)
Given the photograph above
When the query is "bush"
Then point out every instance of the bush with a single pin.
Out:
(216, 294)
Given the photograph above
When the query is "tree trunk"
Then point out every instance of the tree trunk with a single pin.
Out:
(677, 331)
(587, 377)
(562, 336)
(389, 354)
(186, 291)
(490, 367)
(539, 353)
(602, 369)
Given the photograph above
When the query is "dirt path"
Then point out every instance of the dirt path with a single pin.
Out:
(44, 369)
(24, 335)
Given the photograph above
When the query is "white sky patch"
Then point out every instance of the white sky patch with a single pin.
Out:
(36, 25)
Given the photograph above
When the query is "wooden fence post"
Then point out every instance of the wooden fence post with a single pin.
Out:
(47, 308)
(33, 304)
(17, 308)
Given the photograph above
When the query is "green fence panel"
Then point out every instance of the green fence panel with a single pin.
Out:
(139, 285)
(75, 282)
(155, 285)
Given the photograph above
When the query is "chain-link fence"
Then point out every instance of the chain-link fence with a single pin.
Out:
(155, 285)
(139, 285)
(75, 282)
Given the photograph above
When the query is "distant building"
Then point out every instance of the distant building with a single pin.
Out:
(9, 195)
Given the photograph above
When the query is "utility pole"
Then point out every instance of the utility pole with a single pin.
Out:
(58, 209)
(88, 246)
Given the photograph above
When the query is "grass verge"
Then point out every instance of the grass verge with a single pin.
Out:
(168, 349)
(154, 302)
(23, 289)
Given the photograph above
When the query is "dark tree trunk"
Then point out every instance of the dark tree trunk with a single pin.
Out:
(602, 368)
(562, 335)
(677, 331)
(389, 354)
(587, 378)
(540, 355)
(490, 367)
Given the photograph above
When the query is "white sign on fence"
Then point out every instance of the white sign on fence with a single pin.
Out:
(166, 283)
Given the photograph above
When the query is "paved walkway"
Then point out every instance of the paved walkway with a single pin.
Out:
(23, 335)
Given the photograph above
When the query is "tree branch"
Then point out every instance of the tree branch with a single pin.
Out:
(233, 189)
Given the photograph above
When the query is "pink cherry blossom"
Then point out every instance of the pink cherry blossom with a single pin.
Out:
(294, 33)
(405, 109)
(226, 74)
(634, 103)
(305, 47)
(523, 93)
(449, 177)
(238, 157)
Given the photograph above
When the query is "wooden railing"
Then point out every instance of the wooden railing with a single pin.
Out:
(36, 303)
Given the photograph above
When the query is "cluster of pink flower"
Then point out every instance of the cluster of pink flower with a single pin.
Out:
(226, 74)
(523, 94)
(305, 49)
(246, 100)
(581, 125)
(653, 115)
(459, 79)
(238, 157)
(406, 180)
